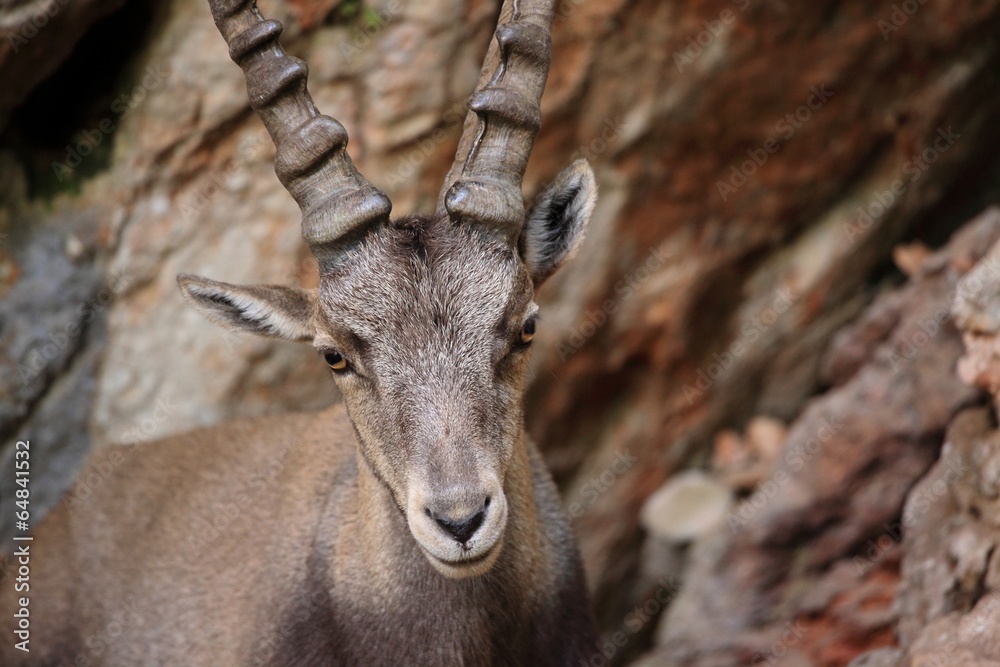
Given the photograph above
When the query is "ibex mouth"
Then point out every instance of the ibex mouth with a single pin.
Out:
(460, 539)
(466, 567)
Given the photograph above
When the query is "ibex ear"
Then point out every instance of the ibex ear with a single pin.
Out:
(265, 310)
(557, 220)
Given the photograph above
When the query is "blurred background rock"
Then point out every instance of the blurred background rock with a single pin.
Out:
(757, 336)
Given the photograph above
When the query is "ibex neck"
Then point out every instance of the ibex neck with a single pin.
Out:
(377, 594)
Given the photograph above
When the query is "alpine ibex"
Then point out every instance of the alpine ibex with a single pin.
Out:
(415, 524)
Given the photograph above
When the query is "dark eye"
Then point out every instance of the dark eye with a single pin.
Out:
(527, 332)
(336, 361)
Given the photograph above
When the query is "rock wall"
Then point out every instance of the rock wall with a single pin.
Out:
(758, 162)
(948, 603)
(805, 568)
(36, 36)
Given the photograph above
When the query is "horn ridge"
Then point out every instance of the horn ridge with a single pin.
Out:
(311, 158)
(484, 183)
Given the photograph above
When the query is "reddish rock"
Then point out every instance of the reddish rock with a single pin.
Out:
(948, 604)
(816, 545)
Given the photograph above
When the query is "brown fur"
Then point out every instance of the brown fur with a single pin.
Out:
(300, 540)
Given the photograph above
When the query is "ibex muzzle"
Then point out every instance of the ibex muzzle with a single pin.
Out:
(425, 323)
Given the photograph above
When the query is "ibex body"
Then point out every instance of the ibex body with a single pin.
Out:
(415, 524)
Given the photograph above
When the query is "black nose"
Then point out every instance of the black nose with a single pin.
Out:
(463, 529)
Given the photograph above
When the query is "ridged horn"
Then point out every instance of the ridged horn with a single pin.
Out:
(311, 158)
(484, 183)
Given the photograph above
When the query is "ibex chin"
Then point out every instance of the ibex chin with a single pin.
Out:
(415, 524)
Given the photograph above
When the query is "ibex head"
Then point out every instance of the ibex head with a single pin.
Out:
(424, 320)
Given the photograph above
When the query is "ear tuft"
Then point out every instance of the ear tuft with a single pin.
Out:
(557, 221)
(265, 310)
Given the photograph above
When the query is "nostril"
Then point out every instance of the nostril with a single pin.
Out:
(487, 503)
(464, 529)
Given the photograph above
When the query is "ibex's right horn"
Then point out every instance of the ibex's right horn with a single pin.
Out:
(311, 161)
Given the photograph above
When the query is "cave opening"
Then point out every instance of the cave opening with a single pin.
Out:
(64, 132)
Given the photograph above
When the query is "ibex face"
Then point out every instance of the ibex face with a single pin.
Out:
(425, 321)
(435, 354)
(426, 327)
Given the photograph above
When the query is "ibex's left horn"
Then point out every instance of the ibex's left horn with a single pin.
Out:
(484, 184)
(311, 161)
